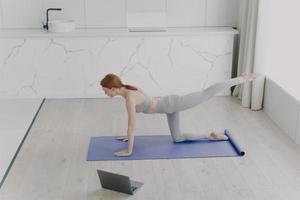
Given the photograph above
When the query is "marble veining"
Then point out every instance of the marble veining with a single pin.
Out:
(14, 51)
(72, 67)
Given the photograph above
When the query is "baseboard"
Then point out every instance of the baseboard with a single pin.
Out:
(283, 109)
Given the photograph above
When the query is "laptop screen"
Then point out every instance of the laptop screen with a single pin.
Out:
(115, 181)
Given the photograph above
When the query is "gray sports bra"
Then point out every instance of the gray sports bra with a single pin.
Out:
(146, 105)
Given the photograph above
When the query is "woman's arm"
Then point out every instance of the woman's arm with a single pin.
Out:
(130, 105)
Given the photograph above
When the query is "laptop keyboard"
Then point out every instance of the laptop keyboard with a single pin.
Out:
(133, 188)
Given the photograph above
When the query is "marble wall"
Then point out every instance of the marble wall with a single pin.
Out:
(72, 67)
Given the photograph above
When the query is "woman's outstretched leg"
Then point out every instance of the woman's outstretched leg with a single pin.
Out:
(173, 104)
(176, 103)
(178, 136)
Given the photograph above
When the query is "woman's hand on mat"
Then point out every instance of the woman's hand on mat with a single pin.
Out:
(123, 153)
(123, 138)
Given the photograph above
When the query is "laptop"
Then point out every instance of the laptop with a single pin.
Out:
(118, 182)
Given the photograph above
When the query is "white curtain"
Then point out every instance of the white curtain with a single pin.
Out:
(251, 94)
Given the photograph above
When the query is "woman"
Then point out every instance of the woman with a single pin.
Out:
(138, 101)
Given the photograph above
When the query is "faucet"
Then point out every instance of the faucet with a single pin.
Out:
(47, 16)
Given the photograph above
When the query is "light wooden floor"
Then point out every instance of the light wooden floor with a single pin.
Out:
(51, 163)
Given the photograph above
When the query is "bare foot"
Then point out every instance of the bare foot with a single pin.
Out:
(214, 136)
(247, 77)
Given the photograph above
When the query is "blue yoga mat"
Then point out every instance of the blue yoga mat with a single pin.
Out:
(161, 147)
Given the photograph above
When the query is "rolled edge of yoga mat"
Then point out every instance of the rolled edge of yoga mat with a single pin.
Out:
(233, 143)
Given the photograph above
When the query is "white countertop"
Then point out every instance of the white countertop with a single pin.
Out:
(115, 32)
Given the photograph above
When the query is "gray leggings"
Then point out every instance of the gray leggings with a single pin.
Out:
(173, 104)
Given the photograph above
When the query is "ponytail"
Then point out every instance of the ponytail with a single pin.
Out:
(129, 87)
(113, 81)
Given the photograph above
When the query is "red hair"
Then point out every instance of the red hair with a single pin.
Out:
(113, 81)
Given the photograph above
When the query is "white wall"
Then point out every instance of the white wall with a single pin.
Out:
(282, 108)
(112, 13)
(0, 15)
(278, 42)
(144, 13)
(22, 14)
(194, 12)
(105, 13)
(277, 56)
(220, 12)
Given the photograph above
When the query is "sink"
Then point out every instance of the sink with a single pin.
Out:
(61, 26)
